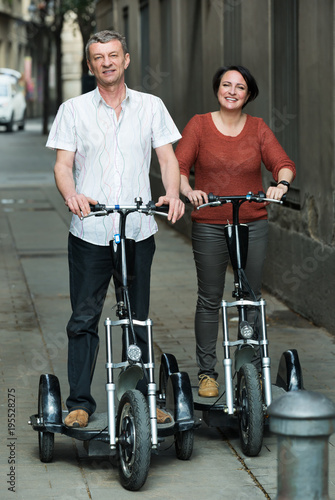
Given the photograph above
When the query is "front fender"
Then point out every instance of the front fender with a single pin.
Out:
(243, 356)
(179, 399)
(289, 375)
(50, 405)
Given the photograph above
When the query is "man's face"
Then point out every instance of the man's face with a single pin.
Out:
(108, 62)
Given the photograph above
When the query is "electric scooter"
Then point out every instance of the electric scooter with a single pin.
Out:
(247, 390)
(129, 428)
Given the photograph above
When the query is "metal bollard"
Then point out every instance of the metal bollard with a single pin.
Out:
(303, 421)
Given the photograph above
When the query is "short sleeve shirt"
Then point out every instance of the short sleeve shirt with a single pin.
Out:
(112, 157)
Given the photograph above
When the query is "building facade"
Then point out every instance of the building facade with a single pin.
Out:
(22, 47)
(13, 36)
(177, 45)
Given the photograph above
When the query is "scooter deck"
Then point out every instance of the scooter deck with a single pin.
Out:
(201, 403)
(214, 408)
(97, 422)
(204, 404)
(96, 429)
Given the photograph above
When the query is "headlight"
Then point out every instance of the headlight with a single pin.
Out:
(134, 353)
(246, 330)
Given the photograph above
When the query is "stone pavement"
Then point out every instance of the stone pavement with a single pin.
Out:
(34, 308)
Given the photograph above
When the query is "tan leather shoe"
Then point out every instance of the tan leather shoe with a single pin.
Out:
(208, 387)
(163, 417)
(76, 418)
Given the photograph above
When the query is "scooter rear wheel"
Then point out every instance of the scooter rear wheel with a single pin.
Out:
(45, 439)
(251, 418)
(184, 444)
(134, 440)
(183, 440)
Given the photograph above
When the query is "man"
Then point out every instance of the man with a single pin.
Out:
(103, 141)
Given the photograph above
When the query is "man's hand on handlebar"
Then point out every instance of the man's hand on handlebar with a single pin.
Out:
(176, 207)
(79, 204)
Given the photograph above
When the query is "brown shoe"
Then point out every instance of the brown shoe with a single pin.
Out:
(208, 387)
(76, 418)
(163, 417)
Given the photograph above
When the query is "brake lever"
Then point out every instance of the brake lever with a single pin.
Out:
(210, 204)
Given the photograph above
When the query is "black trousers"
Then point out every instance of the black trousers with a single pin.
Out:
(91, 269)
(211, 259)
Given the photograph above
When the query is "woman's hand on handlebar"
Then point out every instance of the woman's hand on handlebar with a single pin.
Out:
(176, 207)
(196, 197)
(79, 204)
(276, 192)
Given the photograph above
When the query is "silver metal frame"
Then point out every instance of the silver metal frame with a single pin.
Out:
(111, 386)
(262, 343)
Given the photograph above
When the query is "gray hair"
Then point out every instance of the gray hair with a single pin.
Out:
(105, 37)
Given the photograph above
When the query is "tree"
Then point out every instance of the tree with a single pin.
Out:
(85, 11)
(48, 20)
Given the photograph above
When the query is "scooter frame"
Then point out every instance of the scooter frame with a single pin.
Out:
(175, 391)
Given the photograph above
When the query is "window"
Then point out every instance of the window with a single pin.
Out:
(284, 116)
(232, 32)
(4, 90)
(145, 42)
(166, 51)
(125, 17)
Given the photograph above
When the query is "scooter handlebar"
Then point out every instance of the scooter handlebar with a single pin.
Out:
(215, 200)
(100, 209)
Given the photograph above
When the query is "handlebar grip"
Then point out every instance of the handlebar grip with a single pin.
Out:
(98, 207)
(212, 197)
(163, 208)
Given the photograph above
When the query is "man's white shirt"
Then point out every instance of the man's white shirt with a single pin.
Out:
(112, 157)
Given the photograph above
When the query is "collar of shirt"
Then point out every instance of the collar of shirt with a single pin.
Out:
(99, 99)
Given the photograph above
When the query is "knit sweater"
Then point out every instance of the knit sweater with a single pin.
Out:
(226, 166)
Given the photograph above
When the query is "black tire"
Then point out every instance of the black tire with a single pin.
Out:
(45, 439)
(251, 418)
(10, 124)
(134, 440)
(22, 123)
(184, 444)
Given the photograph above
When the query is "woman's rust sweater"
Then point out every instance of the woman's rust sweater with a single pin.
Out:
(225, 165)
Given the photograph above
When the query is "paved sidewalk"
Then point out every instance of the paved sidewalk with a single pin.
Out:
(34, 308)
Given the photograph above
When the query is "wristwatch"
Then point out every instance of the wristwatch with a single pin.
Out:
(287, 184)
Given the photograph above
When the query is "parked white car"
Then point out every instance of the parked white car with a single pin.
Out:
(12, 100)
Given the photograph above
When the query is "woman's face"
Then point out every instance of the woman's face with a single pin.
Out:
(233, 91)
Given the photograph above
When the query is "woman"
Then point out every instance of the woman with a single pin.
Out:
(226, 148)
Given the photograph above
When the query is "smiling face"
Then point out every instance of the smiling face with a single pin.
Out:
(233, 91)
(108, 63)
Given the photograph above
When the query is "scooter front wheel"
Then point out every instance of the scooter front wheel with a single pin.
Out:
(251, 418)
(134, 440)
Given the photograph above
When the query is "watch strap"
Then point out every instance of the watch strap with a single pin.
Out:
(287, 184)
